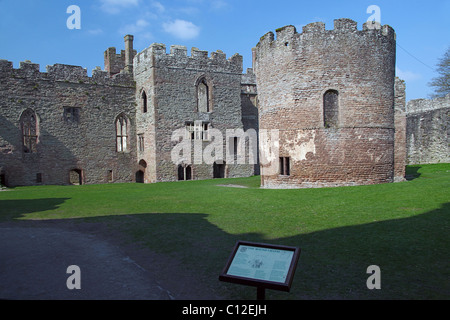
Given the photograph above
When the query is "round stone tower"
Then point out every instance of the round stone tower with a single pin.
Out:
(326, 105)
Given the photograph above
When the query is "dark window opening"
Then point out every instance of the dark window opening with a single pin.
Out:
(110, 176)
(285, 166)
(331, 109)
(72, 114)
(3, 179)
(143, 164)
(233, 148)
(144, 102)
(38, 177)
(184, 173)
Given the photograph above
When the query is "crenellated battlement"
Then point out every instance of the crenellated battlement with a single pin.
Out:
(178, 55)
(287, 35)
(61, 72)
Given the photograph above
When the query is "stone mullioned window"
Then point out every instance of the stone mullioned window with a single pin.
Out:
(29, 127)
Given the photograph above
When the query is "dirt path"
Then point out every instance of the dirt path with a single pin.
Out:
(34, 257)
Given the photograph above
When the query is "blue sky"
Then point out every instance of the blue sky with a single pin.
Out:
(37, 30)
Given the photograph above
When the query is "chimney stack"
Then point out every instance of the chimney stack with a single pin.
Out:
(129, 53)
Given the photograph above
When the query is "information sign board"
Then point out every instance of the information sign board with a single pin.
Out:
(261, 265)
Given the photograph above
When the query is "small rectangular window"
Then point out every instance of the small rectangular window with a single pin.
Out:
(233, 147)
(110, 176)
(38, 177)
(72, 114)
(141, 143)
(122, 133)
(197, 130)
(285, 166)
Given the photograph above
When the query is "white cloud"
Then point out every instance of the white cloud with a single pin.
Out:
(115, 6)
(140, 27)
(182, 29)
(158, 6)
(407, 75)
(95, 32)
(219, 5)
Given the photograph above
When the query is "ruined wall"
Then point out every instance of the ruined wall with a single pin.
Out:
(76, 124)
(249, 106)
(171, 82)
(400, 131)
(428, 131)
(294, 72)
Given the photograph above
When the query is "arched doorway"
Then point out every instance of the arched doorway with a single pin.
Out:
(140, 174)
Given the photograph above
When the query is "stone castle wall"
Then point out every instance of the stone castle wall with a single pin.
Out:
(170, 81)
(331, 96)
(295, 71)
(428, 131)
(76, 124)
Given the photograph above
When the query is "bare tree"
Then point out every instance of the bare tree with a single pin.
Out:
(441, 83)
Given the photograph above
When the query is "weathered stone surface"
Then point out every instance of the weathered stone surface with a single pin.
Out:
(76, 140)
(331, 95)
(428, 130)
(85, 143)
(170, 82)
(296, 70)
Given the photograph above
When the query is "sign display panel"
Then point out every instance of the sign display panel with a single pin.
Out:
(261, 265)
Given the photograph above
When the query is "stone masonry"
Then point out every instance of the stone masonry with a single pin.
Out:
(428, 130)
(74, 125)
(323, 106)
(197, 91)
(64, 127)
(330, 96)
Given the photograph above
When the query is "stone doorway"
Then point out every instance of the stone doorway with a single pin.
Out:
(219, 169)
(140, 176)
(76, 177)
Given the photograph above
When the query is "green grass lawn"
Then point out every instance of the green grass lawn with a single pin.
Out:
(403, 228)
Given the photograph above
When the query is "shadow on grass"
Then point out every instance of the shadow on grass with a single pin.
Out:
(412, 253)
(17, 209)
(412, 172)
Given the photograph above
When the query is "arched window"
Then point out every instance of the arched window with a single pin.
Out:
(122, 133)
(29, 128)
(144, 102)
(203, 96)
(331, 109)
